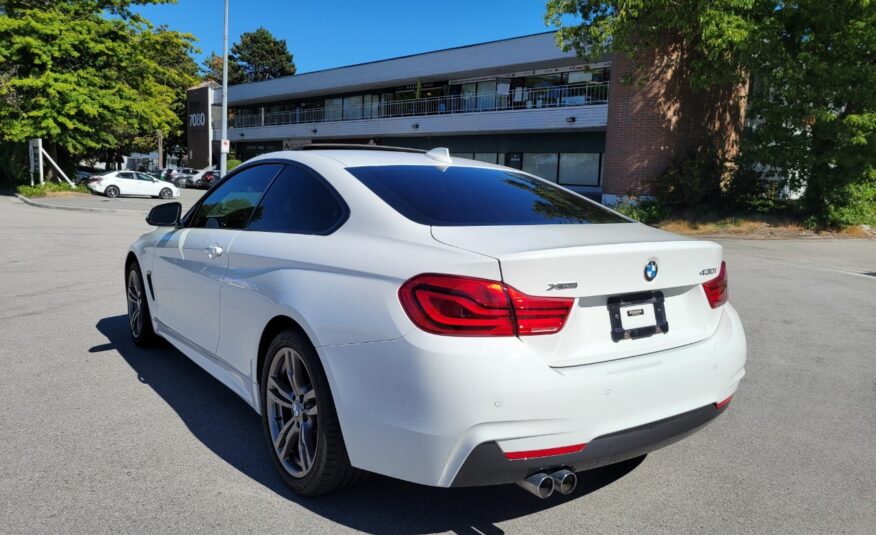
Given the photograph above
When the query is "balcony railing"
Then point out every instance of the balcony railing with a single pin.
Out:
(523, 98)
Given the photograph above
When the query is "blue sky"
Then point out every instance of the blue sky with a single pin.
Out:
(328, 33)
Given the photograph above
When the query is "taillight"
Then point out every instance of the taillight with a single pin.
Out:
(465, 306)
(716, 289)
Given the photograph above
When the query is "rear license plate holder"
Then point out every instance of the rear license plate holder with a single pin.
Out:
(635, 305)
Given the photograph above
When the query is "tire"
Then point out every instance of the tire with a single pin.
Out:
(165, 193)
(111, 191)
(139, 317)
(311, 414)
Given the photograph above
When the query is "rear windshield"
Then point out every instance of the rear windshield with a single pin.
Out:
(475, 196)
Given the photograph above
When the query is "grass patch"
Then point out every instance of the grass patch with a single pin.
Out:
(41, 190)
(759, 227)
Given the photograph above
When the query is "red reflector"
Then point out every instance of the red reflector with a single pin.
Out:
(716, 289)
(722, 404)
(465, 306)
(534, 454)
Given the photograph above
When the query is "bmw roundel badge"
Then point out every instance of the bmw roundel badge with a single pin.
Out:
(651, 270)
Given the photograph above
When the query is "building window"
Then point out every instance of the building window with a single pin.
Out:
(579, 169)
(541, 164)
(352, 108)
(333, 109)
(489, 157)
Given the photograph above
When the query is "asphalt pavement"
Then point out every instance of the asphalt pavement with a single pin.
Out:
(99, 436)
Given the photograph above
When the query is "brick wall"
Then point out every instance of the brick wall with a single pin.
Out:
(658, 120)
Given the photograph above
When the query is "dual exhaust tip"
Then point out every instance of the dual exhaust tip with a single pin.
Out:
(543, 485)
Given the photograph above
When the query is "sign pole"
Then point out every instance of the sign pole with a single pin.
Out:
(35, 148)
(223, 153)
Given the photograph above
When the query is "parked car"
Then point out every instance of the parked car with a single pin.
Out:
(207, 179)
(438, 320)
(116, 183)
(81, 176)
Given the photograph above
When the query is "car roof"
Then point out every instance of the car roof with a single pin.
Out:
(370, 156)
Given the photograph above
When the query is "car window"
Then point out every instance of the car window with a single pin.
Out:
(144, 176)
(230, 205)
(298, 202)
(129, 176)
(472, 196)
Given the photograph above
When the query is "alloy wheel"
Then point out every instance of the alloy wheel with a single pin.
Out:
(135, 303)
(292, 412)
(165, 193)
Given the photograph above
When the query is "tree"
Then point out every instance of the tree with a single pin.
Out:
(812, 69)
(211, 69)
(261, 56)
(90, 75)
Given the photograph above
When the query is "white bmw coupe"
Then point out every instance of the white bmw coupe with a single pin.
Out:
(438, 320)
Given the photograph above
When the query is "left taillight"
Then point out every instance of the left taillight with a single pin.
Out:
(716, 289)
(453, 305)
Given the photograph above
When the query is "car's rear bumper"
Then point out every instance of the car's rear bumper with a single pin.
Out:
(487, 464)
(436, 410)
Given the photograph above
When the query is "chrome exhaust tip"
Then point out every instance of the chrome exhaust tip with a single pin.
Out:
(565, 481)
(540, 484)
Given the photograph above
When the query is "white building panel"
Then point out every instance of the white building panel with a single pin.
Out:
(510, 121)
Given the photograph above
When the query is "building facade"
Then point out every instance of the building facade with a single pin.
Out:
(519, 102)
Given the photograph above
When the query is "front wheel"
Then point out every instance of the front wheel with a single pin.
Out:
(112, 192)
(165, 193)
(300, 421)
(139, 318)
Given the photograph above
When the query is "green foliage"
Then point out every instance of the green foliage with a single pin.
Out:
(89, 75)
(14, 166)
(261, 56)
(211, 69)
(645, 211)
(49, 187)
(812, 67)
(693, 182)
(231, 164)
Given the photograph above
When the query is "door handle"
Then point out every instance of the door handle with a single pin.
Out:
(214, 251)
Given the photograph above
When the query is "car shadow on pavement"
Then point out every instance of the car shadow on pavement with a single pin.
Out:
(381, 505)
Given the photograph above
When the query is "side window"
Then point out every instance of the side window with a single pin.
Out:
(126, 175)
(298, 202)
(230, 205)
(144, 177)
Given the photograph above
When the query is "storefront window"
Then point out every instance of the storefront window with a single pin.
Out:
(489, 157)
(541, 164)
(579, 169)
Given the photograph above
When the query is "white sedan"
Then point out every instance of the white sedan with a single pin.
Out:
(116, 183)
(438, 320)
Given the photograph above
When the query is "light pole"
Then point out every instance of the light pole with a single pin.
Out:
(224, 146)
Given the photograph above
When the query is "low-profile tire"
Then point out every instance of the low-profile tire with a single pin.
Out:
(165, 193)
(300, 421)
(139, 318)
(111, 191)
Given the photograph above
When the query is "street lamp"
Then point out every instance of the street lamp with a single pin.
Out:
(224, 145)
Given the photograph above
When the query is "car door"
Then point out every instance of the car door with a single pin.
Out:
(127, 183)
(190, 263)
(282, 249)
(147, 185)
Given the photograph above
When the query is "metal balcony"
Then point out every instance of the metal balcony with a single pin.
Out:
(519, 99)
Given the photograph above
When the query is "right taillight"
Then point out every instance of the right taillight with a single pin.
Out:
(464, 306)
(716, 289)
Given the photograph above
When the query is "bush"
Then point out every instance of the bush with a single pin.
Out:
(231, 164)
(856, 206)
(645, 211)
(49, 187)
(693, 182)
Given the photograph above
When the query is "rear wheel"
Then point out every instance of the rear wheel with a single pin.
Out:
(139, 318)
(165, 193)
(299, 419)
(112, 192)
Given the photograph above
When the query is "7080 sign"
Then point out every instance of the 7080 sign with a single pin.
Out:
(197, 119)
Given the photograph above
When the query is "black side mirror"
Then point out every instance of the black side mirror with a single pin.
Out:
(165, 215)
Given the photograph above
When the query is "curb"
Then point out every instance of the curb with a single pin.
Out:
(31, 202)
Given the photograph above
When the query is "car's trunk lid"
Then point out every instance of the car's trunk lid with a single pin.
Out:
(597, 262)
